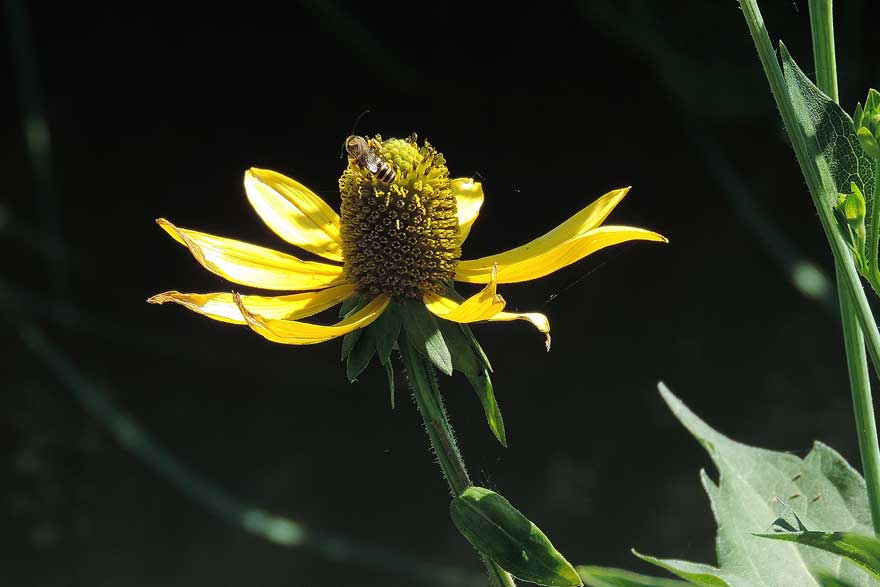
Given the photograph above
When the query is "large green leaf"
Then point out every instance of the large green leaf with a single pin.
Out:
(498, 530)
(860, 549)
(610, 577)
(753, 484)
(832, 129)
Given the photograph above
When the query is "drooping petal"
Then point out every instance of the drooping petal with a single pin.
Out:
(469, 199)
(294, 212)
(251, 265)
(294, 332)
(531, 262)
(536, 319)
(480, 306)
(222, 307)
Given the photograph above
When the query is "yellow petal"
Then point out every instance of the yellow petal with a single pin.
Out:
(294, 212)
(252, 265)
(222, 307)
(293, 332)
(537, 320)
(480, 306)
(469, 199)
(587, 219)
(531, 262)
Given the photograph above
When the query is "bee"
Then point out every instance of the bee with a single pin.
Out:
(361, 152)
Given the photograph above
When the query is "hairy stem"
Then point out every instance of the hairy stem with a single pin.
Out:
(430, 404)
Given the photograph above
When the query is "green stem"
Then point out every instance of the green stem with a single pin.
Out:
(822, 26)
(820, 191)
(430, 404)
(863, 407)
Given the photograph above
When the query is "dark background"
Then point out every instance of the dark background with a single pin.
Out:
(157, 110)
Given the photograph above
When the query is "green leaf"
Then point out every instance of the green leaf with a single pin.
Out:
(466, 359)
(498, 530)
(833, 130)
(696, 573)
(821, 489)
(610, 577)
(860, 549)
(424, 333)
(827, 580)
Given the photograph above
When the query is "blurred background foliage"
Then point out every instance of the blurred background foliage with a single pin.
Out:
(116, 114)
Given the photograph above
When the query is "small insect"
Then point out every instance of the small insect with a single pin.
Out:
(361, 152)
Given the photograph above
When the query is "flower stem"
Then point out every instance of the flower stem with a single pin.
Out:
(822, 26)
(430, 404)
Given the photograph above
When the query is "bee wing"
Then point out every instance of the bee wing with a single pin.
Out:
(372, 162)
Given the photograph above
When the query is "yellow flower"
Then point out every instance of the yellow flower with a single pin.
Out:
(394, 240)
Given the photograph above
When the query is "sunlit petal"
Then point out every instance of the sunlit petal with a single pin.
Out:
(469, 199)
(251, 265)
(588, 218)
(222, 307)
(293, 332)
(532, 262)
(294, 212)
(480, 306)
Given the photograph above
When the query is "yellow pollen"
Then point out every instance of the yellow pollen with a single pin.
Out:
(402, 238)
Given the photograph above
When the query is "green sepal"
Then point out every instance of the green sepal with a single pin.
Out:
(389, 370)
(362, 351)
(451, 293)
(475, 344)
(348, 307)
(482, 385)
(498, 530)
(349, 341)
(387, 329)
(466, 359)
(351, 305)
(424, 334)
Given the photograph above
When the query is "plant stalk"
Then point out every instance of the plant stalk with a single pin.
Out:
(863, 407)
(430, 404)
(820, 191)
(822, 27)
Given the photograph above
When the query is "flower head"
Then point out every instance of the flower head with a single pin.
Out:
(397, 241)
